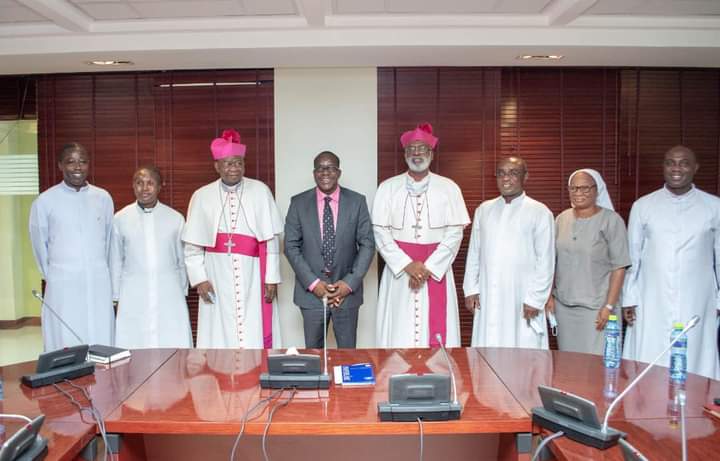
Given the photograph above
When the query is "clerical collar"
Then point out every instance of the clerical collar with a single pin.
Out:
(147, 210)
(417, 187)
(517, 199)
(681, 196)
(229, 188)
(72, 188)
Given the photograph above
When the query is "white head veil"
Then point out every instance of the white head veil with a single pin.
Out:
(603, 198)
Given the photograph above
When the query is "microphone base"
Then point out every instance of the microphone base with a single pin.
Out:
(268, 381)
(427, 412)
(575, 430)
(58, 374)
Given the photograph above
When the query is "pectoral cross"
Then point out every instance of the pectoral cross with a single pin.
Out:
(229, 244)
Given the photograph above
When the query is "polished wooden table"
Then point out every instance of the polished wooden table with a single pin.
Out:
(67, 430)
(160, 398)
(647, 413)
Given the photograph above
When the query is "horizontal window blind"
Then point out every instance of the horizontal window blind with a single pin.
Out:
(19, 174)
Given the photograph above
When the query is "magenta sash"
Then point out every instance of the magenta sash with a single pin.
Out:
(437, 291)
(250, 246)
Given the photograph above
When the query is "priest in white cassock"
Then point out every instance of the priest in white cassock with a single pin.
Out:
(232, 254)
(510, 264)
(418, 219)
(674, 236)
(148, 270)
(70, 227)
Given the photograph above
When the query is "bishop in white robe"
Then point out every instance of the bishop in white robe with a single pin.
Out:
(674, 236)
(418, 220)
(70, 228)
(232, 241)
(510, 265)
(148, 271)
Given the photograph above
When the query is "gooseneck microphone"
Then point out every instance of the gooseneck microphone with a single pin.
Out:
(57, 316)
(690, 324)
(324, 302)
(450, 367)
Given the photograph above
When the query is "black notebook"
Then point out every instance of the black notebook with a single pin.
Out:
(106, 354)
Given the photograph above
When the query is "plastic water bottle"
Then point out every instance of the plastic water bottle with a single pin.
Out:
(678, 355)
(611, 355)
(610, 389)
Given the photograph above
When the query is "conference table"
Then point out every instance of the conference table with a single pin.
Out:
(189, 404)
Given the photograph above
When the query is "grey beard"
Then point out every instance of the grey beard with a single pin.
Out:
(418, 168)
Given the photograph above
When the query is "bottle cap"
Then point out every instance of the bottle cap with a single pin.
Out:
(678, 325)
(612, 317)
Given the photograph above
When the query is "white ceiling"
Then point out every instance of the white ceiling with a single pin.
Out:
(38, 36)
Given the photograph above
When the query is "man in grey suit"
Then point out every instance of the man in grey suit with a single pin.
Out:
(329, 243)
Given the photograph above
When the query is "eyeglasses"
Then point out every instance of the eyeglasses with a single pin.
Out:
(514, 173)
(231, 163)
(327, 169)
(421, 149)
(581, 189)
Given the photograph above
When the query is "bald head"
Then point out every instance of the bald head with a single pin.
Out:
(151, 170)
(689, 153)
(511, 174)
(679, 168)
(513, 160)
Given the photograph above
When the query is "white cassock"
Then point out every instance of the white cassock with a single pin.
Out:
(674, 249)
(149, 279)
(510, 262)
(70, 234)
(409, 227)
(229, 231)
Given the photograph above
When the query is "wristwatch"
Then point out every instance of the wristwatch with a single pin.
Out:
(609, 307)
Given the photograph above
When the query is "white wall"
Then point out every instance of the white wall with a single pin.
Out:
(320, 109)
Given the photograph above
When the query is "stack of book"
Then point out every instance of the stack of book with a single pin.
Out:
(106, 354)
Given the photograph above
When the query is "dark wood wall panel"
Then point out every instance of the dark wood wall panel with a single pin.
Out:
(18, 98)
(162, 118)
(618, 121)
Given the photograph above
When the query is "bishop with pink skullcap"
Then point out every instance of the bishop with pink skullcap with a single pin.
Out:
(227, 145)
(232, 254)
(423, 132)
(418, 219)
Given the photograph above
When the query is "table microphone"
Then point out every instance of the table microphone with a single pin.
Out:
(57, 316)
(690, 324)
(450, 367)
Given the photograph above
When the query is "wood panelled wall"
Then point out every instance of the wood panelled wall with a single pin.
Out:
(618, 121)
(18, 98)
(162, 118)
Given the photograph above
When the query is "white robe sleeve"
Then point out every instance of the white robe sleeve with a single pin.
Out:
(109, 217)
(272, 271)
(180, 260)
(630, 295)
(117, 257)
(544, 245)
(471, 280)
(716, 250)
(440, 261)
(39, 236)
(394, 257)
(195, 263)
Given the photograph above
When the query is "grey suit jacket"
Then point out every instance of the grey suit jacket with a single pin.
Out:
(354, 246)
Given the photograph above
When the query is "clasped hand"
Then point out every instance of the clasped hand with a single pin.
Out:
(417, 274)
(336, 292)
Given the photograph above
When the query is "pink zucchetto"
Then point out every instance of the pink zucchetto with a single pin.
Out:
(227, 145)
(423, 133)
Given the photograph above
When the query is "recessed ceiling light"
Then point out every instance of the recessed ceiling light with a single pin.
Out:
(109, 63)
(541, 56)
